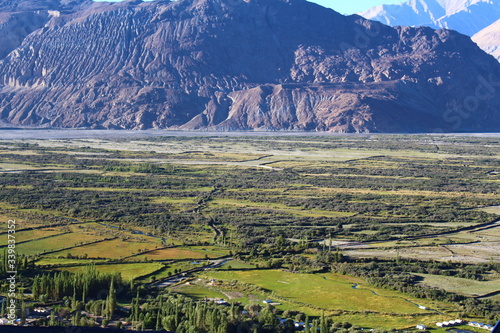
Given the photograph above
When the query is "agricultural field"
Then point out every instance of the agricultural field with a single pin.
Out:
(128, 272)
(56, 243)
(461, 285)
(33, 234)
(327, 291)
(343, 297)
(307, 220)
(180, 253)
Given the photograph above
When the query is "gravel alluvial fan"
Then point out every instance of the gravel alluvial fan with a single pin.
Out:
(236, 65)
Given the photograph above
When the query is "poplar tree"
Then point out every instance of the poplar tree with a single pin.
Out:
(111, 300)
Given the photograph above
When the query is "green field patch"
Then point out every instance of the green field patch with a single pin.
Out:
(20, 187)
(235, 264)
(460, 285)
(112, 249)
(175, 201)
(55, 243)
(168, 270)
(128, 271)
(280, 208)
(52, 261)
(108, 189)
(327, 291)
(29, 235)
(370, 320)
(198, 291)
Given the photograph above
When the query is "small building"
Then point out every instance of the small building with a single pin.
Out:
(42, 311)
(422, 307)
(421, 327)
(439, 325)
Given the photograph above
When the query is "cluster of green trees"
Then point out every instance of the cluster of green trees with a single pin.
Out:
(22, 262)
(386, 214)
(82, 285)
(180, 314)
(379, 268)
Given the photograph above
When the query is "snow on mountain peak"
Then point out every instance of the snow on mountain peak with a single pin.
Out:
(468, 17)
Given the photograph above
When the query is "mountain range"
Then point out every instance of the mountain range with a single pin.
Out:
(236, 65)
(474, 18)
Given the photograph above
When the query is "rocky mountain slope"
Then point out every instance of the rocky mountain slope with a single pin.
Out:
(489, 39)
(465, 16)
(237, 65)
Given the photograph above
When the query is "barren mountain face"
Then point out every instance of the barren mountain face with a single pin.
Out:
(237, 65)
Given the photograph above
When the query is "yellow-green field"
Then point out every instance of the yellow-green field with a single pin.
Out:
(127, 271)
(52, 261)
(111, 249)
(198, 291)
(28, 235)
(55, 243)
(460, 285)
